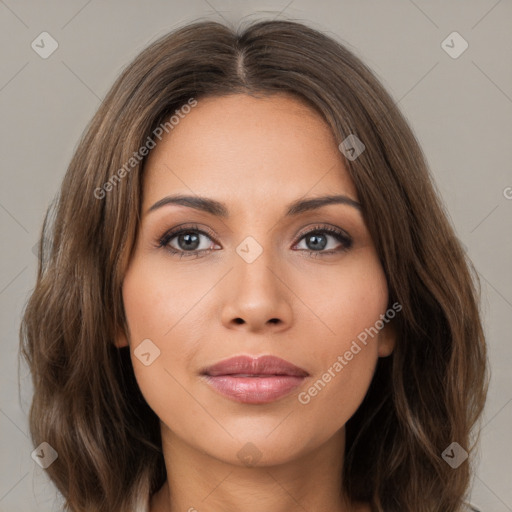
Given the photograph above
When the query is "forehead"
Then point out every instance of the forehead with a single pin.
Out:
(238, 147)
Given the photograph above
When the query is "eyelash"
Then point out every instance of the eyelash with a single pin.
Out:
(340, 235)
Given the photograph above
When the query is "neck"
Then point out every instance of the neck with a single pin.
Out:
(199, 482)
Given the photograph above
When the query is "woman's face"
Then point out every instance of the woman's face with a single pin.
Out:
(253, 282)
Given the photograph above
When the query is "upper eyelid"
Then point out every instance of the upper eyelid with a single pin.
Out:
(171, 233)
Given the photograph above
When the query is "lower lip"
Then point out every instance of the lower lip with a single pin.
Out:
(254, 390)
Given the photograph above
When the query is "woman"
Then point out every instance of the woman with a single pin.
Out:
(250, 297)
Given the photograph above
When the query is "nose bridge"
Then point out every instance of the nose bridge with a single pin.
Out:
(255, 267)
(256, 253)
(257, 295)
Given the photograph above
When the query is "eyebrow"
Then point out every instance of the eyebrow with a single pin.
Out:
(220, 210)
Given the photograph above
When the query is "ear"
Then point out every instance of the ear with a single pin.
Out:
(121, 340)
(387, 339)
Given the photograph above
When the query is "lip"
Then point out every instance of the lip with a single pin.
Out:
(254, 380)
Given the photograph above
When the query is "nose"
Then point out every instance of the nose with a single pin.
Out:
(256, 297)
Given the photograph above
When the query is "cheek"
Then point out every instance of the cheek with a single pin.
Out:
(161, 345)
(345, 365)
(351, 302)
(342, 382)
(346, 302)
(158, 302)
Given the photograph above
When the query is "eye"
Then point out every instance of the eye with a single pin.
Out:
(317, 240)
(191, 241)
(187, 241)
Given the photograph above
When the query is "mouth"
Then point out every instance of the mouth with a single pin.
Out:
(252, 380)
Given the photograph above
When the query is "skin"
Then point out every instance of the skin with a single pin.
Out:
(256, 155)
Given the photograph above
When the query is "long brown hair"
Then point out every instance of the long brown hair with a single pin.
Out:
(429, 393)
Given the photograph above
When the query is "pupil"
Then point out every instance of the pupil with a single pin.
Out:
(190, 238)
(315, 243)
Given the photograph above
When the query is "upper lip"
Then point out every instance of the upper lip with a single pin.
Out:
(247, 365)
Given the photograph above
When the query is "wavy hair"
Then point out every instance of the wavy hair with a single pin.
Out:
(429, 393)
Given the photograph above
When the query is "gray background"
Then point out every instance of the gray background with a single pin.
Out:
(460, 109)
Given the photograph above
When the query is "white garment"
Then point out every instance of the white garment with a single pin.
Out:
(142, 505)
